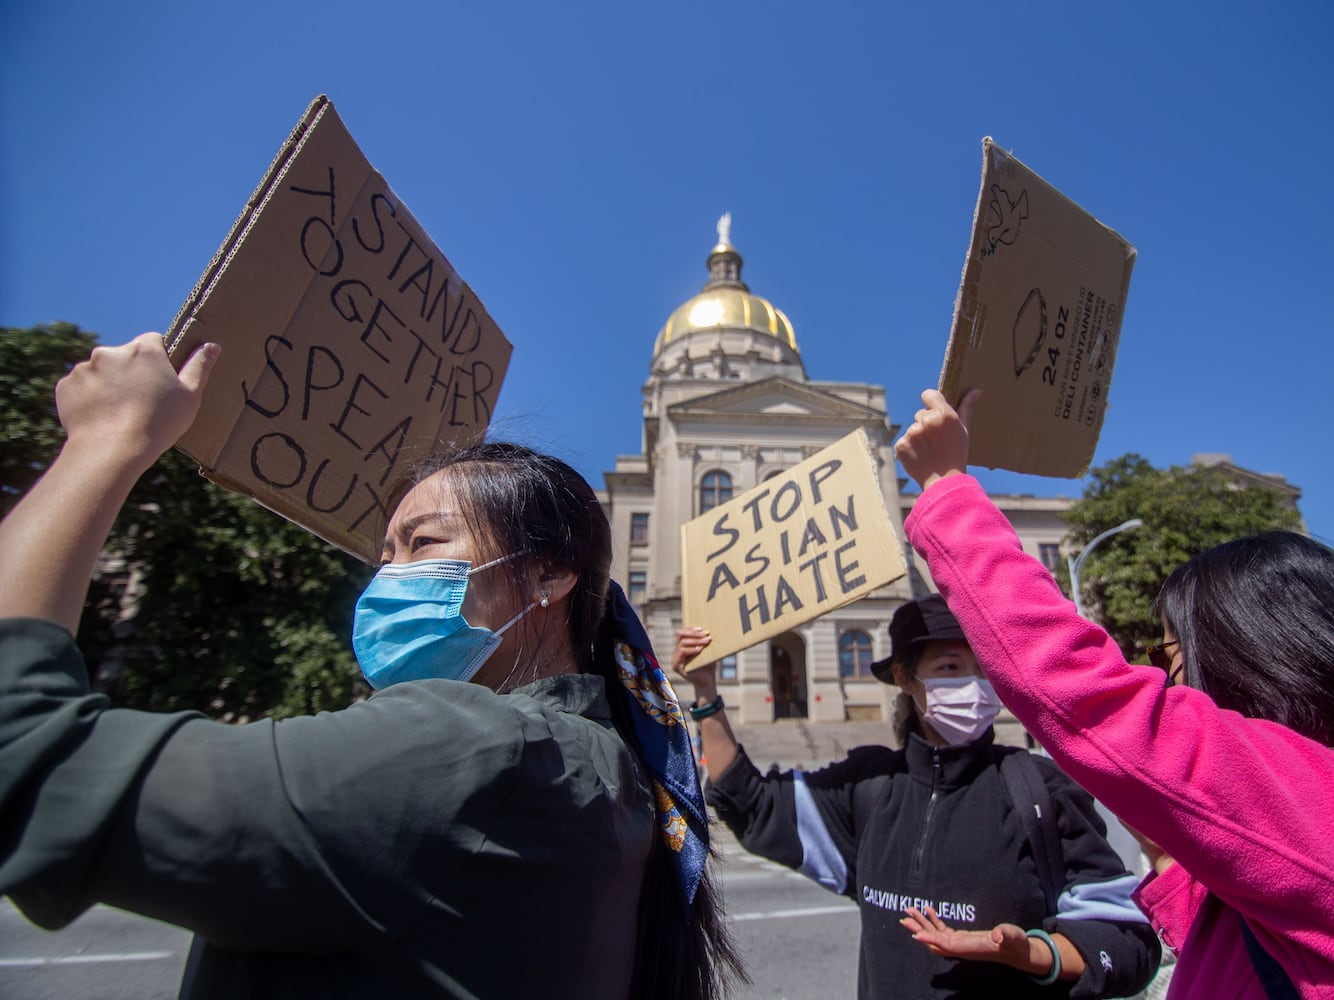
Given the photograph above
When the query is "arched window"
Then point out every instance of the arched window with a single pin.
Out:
(714, 489)
(854, 654)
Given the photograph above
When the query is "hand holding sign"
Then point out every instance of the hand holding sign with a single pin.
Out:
(690, 642)
(128, 403)
(936, 445)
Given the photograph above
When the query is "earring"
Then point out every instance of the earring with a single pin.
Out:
(546, 601)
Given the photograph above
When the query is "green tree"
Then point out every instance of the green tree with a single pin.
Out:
(1185, 510)
(203, 598)
(236, 611)
(32, 361)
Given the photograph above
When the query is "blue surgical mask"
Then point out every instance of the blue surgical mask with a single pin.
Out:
(409, 624)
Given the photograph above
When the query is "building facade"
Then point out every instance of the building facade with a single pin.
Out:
(727, 404)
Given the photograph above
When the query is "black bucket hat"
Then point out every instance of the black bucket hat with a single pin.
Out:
(918, 621)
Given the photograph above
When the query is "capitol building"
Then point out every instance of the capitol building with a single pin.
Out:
(728, 404)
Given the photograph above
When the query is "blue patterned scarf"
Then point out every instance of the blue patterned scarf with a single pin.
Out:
(664, 741)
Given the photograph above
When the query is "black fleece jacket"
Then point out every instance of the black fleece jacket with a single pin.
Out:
(936, 826)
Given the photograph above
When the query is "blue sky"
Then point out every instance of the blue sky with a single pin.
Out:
(572, 159)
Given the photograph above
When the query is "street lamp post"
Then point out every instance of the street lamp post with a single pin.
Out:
(1077, 563)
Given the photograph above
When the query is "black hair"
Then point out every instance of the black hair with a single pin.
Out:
(694, 959)
(904, 716)
(910, 657)
(1255, 619)
(519, 502)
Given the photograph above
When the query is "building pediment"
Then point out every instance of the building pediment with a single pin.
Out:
(774, 398)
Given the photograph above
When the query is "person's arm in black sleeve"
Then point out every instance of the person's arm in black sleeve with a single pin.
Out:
(1095, 912)
(759, 809)
(68, 768)
(120, 409)
(805, 820)
(170, 816)
(87, 792)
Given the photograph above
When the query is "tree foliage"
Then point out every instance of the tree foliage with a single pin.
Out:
(242, 613)
(1185, 511)
(32, 361)
(204, 599)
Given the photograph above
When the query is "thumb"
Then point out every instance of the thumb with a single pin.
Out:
(194, 373)
(966, 404)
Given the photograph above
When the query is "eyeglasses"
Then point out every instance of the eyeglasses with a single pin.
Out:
(1162, 659)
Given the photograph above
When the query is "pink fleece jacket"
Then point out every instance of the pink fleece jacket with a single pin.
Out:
(1245, 807)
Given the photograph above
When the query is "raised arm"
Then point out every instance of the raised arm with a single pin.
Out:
(121, 409)
(1228, 797)
(936, 445)
(715, 732)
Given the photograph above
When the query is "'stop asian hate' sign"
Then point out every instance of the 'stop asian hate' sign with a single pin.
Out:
(807, 541)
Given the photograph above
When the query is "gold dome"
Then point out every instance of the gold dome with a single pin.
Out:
(726, 303)
(727, 309)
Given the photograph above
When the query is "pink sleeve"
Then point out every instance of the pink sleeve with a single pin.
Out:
(1242, 804)
(1170, 901)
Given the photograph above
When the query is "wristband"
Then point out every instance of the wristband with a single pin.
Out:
(698, 712)
(1050, 977)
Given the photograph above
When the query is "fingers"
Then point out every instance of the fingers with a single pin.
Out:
(936, 445)
(690, 642)
(921, 929)
(194, 374)
(934, 399)
(128, 401)
(936, 922)
(927, 919)
(966, 406)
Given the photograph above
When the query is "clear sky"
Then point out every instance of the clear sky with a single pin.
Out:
(572, 159)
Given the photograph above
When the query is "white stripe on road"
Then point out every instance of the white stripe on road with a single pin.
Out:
(730, 877)
(129, 956)
(810, 911)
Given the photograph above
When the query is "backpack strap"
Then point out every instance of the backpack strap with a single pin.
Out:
(1032, 804)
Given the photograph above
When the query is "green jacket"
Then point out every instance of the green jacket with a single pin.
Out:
(436, 840)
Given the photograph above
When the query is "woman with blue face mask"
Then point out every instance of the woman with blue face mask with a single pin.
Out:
(514, 811)
(959, 895)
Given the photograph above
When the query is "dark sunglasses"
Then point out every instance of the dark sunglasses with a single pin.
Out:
(1162, 659)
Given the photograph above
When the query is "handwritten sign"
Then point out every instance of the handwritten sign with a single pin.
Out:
(1036, 324)
(803, 543)
(351, 347)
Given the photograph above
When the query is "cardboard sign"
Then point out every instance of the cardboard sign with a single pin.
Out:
(1036, 323)
(350, 346)
(805, 542)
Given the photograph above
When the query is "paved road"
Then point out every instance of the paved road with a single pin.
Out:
(798, 939)
(104, 955)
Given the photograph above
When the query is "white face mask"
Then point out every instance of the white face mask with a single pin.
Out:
(960, 709)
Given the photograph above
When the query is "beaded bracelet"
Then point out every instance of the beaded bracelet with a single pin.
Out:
(1050, 977)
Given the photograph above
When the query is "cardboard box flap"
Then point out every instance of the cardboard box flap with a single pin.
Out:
(1036, 323)
(351, 347)
(250, 290)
